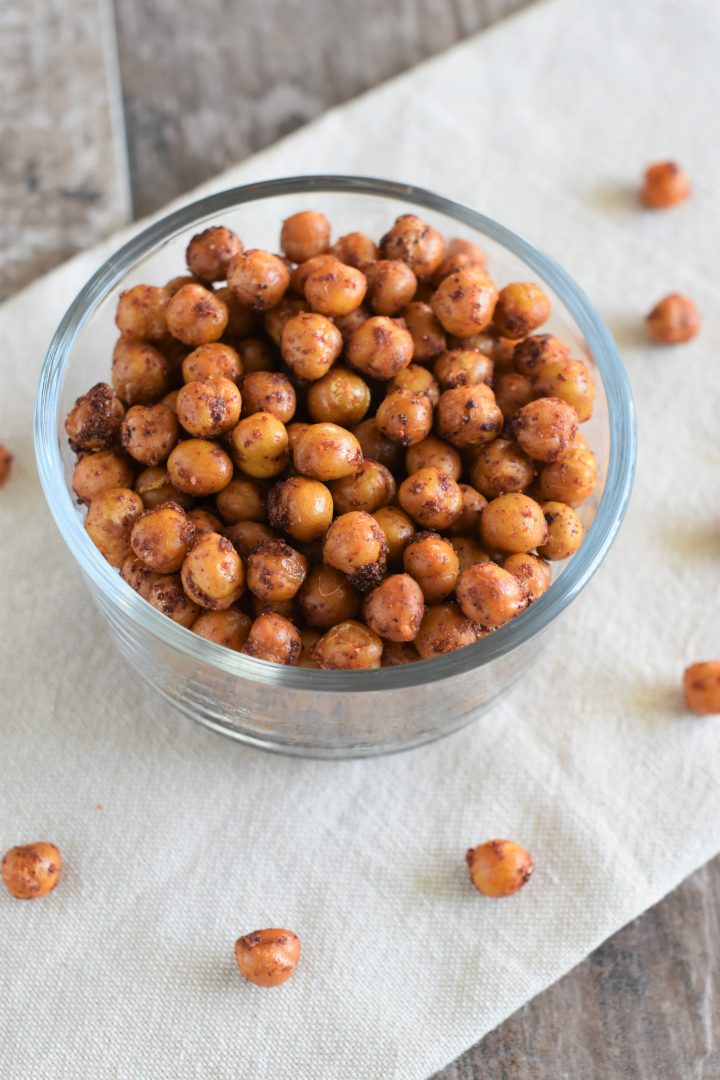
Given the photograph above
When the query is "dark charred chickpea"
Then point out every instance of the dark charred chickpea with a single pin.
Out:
(327, 598)
(213, 574)
(256, 355)
(395, 609)
(340, 397)
(335, 290)
(276, 319)
(434, 453)
(468, 416)
(416, 243)
(154, 486)
(673, 320)
(348, 324)
(380, 347)
(701, 687)
(431, 498)
(95, 473)
(301, 508)
(463, 367)
(371, 487)
(425, 330)
(501, 466)
(397, 653)
(464, 302)
(203, 520)
(664, 184)
(199, 467)
(309, 638)
(31, 870)
(513, 523)
(245, 536)
(499, 868)
(310, 344)
(444, 629)
(521, 308)
(210, 251)
(417, 379)
(149, 432)
(305, 235)
(243, 499)
(377, 446)
(356, 545)
(109, 522)
(512, 391)
(391, 285)
(167, 596)
(207, 408)
(348, 646)
(536, 351)
(258, 278)
(545, 428)
(269, 392)
(214, 361)
(275, 571)
(565, 531)
(260, 445)
(405, 417)
(138, 576)
(489, 595)
(433, 562)
(355, 249)
(327, 452)
(274, 638)
(161, 537)
(570, 480)
(533, 573)
(229, 628)
(142, 311)
(569, 380)
(473, 504)
(94, 421)
(196, 316)
(468, 551)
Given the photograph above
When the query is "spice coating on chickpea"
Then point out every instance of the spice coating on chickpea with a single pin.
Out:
(273, 638)
(473, 504)
(339, 397)
(275, 571)
(370, 488)
(167, 595)
(335, 290)
(327, 452)
(142, 311)
(309, 638)
(398, 653)
(489, 595)
(664, 184)
(31, 870)
(245, 536)
(229, 628)
(469, 416)
(468, 551)
(417, 379)
(545, 428)
(405, 417)
(397, 527)
(154, 486)
(501, 467)
(267, 957)
(260, 446)
(305, 235)
(243, 499)
(300, 507)
(701, 687)
(94, 421)
(533, 573)
(433, 452)
(140, 372)
(570, 480)
(569, 380)
(204, 521)
(98, 472)
(380, 347)
(348, 646)
(431, 497)
(138, 576)
(565, 531)
(258, 278)
(391, 285)
(109, 522)
(432, 561)
(416, 243)
(673, 320)
(310, 344)
(521, 308)
(196, 316)
(210, 251)
(326, 598)
(213, 575)
(463, 367)
(199, 467)
(536, 351)
(395, 609)
(512, 391)
(356, 545)
(149, 432)
(464, 302)
(375, 445)
(499, 867)
(444, 629)
(161, 537)
(425, 330)
(207, 408)
(355, 249)
(213, 361)
(514, 523)
(271, 392)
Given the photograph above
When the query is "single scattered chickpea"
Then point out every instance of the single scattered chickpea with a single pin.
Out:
(94, 421)
(166, 595)
(665, 184)
(416, 243)
(356, 545)
(149, 432)
(207, 408)
(571, 381)
(570, 480)
(142, 311)
(31, 870)
(199, 467)
(444, 629)
(398, 528)
(98, 472)
(405, 417)
(434, 453)
(521, 308)
(545, 428)
(229, 628)
(310, 344)
(375, 445)
(536, 351)
(161, 537)
(348, 646)
(391, 285)
(468, 416)
(258, 278)
(701, 686)
(533, 573)
(327, 452)
(196, 316)
(432, 561)
(243, 499)
(425, 330)
(673, 320)
(326, 598)
(213, 575)
(473, 504)
(468, 551)
(499, 867)
(272, 637)
(140, 372)
(210, 251)
(500, 467)
(489, 595)
(275, 571)
(154, 486)
(339, 397)
(512, 391)
(380, 347)
(565, 531)
(513, 523)
(300, 507)
(6, 462)
(260, 446)
(395, 609)
(463, 367)
(464, 302)
(109, 522)
(269, 392)
(335, 290)
(431, 497)
(305, 235)
(245, 536)
(355, 249)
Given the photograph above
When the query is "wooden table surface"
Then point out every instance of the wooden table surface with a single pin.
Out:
(103, 111)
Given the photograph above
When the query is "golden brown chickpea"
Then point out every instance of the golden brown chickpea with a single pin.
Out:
(300, 507)
(167, 596)
(196, 316)
(425, 330)
(94, 421)
(468, 551)
(204, 521)
(458, 260)
(31, 870)
(464, 302)
(485, 343)
(229, 628)
(405, 417)
(243, 499)
(171, 400)
(443, 630)
(245, 536)
(570, 480)
(433, 563)
(273, 638)
(397, 527)
(416, 243)
(309, 640)
(340, 397)
(175, 284)
(418, 380)
(468, 415)
(458, 245)
(579, 443)
(348, 646)
(256, 355)
(395, 609)
(199, 467)
(161, 537)
(301, 273)
(397, 653)
(536, 351)
(521, 308)
(109, 521)
(545, 428)
(154, 486)
(149, 432)
(665, 184)
(513, 523)
(502, 354)
(701, 687)
(489, 595)
(434, 453)
(336, 289)
(258, 278)
(499, 867)
(305, 235)
(326, 598)
(142, 311)
(242, 319)
(310, 344)
(377, 446)
(391, 285)
(534, 574)
(275, 319)
(276, 571)
(140, 372)
(512, 391)
(571, 381)
(260, 445)
(98, 472)
(473, 504)
(380, 347)
(674, 319)
(214, 361)
(501, 466)
(210, 251)
(565, 531)
(268, 957)
(356, 545)
(348, 324)
(213, 574)
(371, 487)
(207, 408)
(463, 367)
(269, 392)
(355, 249)
(327, 452)
(138, 576)
(431, 497)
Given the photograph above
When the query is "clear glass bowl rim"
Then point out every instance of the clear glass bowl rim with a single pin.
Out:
(608, 517)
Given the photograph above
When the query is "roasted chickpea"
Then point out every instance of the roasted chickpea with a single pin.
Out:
(565, 531)
(109, 521)
(459, 245)
(339, 397)
(355, 249)
(258, 278)
(260, 445)
(213, 574)
(397, 653)
(674, 319)
(458, 260)
(276, 571)
(245, 536)
(214, 361)
(464, 302)
(326, 598)
(416, 243)
(521, 308)
(431, 497)
(276, 319)
(305, 235)
(336, 289)
(545, 428)
(425, 330)
(199, 467)
(348, 324)
(138, 576)
(473, 504)
(534, 574)
(348, 646)
(154, 486)
(469, 416)
(243, 499)
(371, 487)
(536, 351)
(571, 381)
(418, 380)
(31, 870)
(463, 367)
(166, 594)
(302, 272)
(434, 453)
(210, 251)
(272, 637)
(377, 446)
(570, 480)
(309, 640)
(175, 284)
(433, 563)
(229, 628)
(196, 316)
(98, 472)
(268, 957)
(209, 407)
(171, 400)
(310, 344)
(489, 595)
(256, 355)
(395, 609)
(468, 551)
(405, 417)
(444, 629)
(327, 452)
(142, 311)
(512, 391)
(391, 285)
(356, 545)
(203, 520)
(701, 687)
(149, 432)
(665, 184)
(501, 466)
(380, 347)
(94, 421)
(499, 867)
(397, 527)
(513, 523)
(140, 372)
(161, 537)
(269, 392)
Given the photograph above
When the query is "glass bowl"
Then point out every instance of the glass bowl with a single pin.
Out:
(300, 710)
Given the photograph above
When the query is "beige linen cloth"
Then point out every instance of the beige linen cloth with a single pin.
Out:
(176, 840)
